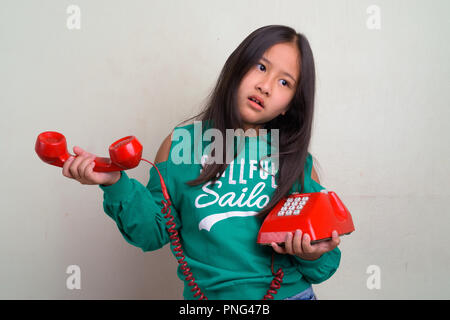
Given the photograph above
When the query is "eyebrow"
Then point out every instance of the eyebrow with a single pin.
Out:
(284, 72)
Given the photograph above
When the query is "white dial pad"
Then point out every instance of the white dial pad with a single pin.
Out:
(293, 206)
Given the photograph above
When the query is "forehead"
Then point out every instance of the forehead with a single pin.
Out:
(285, 57)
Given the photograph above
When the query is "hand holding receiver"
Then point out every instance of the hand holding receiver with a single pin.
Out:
(81, 168)
(125, 153)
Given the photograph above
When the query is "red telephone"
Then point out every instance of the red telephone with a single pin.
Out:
(317, 214)
(125, 153)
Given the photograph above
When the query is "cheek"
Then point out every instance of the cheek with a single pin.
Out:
(243, 88)
(284, 101)
(249, 80)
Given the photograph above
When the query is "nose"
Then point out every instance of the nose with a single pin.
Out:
(264, 86)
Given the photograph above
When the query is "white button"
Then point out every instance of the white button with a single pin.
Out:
(296, 212)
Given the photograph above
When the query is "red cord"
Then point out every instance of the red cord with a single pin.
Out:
(175, 241)
(179, 251)
(276, 282)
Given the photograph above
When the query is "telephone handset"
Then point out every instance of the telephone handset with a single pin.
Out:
(125, 153)
(317, 214)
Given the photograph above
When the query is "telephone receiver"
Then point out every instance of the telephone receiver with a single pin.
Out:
(124, 154)
(316, 213)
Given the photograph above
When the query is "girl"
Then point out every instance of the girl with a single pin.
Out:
(267, 83)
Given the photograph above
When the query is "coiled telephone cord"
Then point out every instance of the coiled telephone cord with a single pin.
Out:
(276, 282)
(175, 241)
(179, 251)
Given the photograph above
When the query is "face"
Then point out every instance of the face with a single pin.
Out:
(272, 81)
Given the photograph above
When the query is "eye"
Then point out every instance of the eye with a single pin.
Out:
(285, 83)
(262, 67)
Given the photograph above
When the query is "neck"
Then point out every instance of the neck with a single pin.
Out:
(252, 133)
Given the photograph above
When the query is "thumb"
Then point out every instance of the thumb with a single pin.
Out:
(78, 151)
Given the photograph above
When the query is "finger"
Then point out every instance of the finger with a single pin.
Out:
(78, 151)
(74, 166)
(81, 152)
(288, 243)
(297, 242)
(89, 173)
(335, 238)
(66, 166)
(89, 169)
(83, 165)
(277, 248)
(306, 244)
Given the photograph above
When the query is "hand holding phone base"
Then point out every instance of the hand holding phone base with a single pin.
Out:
(317, 214)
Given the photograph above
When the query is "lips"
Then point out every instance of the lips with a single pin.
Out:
(257, 99)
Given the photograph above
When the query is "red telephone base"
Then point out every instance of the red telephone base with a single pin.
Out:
(317, 214)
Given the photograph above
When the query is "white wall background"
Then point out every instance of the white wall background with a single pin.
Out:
(381, 133)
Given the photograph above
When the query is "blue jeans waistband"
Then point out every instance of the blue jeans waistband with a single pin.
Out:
(307, 294)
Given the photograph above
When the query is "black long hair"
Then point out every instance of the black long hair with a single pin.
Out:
(294, 127)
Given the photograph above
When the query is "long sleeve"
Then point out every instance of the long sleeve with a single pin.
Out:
(317, 271)
(137, 209)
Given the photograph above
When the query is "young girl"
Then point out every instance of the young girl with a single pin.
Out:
(267, 83)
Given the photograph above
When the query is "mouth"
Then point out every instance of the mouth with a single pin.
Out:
(257, 100)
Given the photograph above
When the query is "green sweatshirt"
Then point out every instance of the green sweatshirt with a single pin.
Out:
(217, 224)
